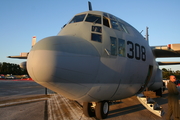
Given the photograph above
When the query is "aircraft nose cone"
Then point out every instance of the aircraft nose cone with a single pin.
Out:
(61, 63)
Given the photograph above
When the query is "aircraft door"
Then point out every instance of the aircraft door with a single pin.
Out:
(149, 74)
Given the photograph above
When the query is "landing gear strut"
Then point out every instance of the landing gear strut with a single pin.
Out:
(100, 110)
(88, 110)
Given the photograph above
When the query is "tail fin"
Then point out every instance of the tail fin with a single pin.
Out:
(33, 41)
(24, 55)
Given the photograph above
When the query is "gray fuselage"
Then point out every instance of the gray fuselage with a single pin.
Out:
(95, 57)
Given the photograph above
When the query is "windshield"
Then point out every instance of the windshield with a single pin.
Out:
(78, 18)
(115, 22)
(93, 18)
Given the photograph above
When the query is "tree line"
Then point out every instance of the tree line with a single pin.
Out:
(10, 68)
(167, 72)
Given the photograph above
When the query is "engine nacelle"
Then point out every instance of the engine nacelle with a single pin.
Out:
(23, 65)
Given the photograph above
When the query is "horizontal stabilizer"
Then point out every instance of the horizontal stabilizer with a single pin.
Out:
(22, 56)
(168, 63)
(171, 50)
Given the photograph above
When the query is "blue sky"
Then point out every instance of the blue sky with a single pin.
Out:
(22, 19)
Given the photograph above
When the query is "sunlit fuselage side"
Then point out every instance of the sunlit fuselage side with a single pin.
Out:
(91, 61)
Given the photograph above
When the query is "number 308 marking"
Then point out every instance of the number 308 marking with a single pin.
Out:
(137, 51)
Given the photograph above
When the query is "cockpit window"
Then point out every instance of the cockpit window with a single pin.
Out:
(112, 17)
(123, 27)
(115, 25)
(105, 14)
(96, 29)
(96, 37)
(93, 18)
(106, 21)
(115, 22)
(121, 47)
(113, 46)
(78, 18)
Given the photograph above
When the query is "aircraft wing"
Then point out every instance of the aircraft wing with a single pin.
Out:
(168, 63)
(22, 56)
(171, 50)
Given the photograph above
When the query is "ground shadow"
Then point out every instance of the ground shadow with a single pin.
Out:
(125, 110)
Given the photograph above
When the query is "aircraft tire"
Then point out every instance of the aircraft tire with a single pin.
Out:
(102, 109)
(88, 110)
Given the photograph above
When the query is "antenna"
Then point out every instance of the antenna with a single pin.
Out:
(147, 35)
(90, 6)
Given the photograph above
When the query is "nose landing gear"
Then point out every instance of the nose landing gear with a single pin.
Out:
(99, 110)
(88, 110)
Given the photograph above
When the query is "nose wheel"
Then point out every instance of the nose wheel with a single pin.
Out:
(100, 110)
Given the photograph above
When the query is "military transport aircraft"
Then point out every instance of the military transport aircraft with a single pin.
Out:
(96, 58)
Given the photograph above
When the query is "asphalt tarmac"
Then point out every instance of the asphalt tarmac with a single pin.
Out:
(22, 100)
(26, 100)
